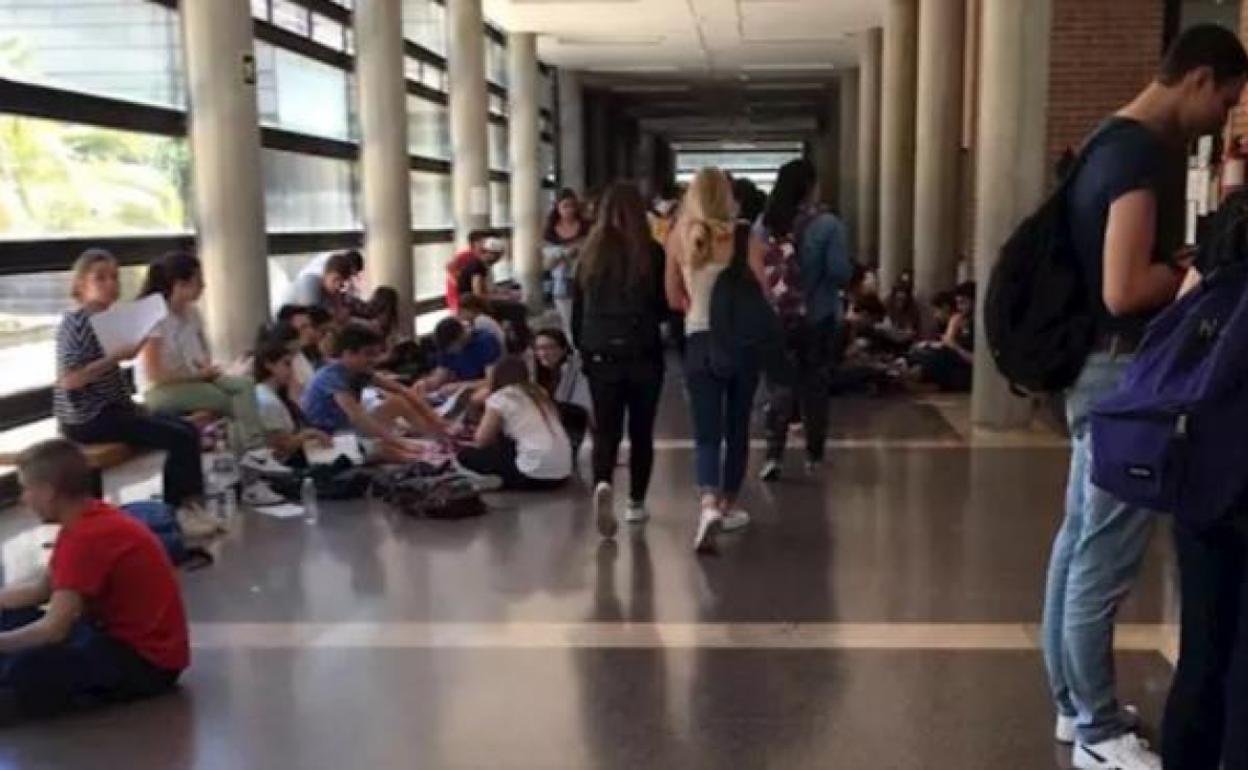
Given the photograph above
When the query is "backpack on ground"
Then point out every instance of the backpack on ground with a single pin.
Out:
(160, 520)
(1039, 318)
(744, 324)
(429, 492)
(1174, 437)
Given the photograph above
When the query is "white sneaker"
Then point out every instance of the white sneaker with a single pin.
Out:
(708, 527)
(604, 510)
(260, 494)
(196, 523)
(1126, 752)
(636, 513)
(771, 471)
(263, 461)
(1066, 730)
(734, 520)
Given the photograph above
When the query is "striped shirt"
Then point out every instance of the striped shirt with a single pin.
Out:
(77, 346)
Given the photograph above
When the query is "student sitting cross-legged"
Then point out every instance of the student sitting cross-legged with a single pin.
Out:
(333, 400)
(114, 628)
(520, 439)
(285, 428)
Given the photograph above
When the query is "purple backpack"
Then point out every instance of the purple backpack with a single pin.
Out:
(1174, 437)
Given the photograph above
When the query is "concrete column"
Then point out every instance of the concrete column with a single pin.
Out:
(599, 141)
(526, 174)
(897, 139)
(571, 131)
(470, 172)
(225, 165)
(825, 151)
(847, 156)
(384, 168)
(1010, 165)
(867, 210)
(938, 128)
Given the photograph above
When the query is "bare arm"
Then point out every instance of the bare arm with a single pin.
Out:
(1133, 282)
(75, 379)
(361, 419)
(52, 628)
(489, 429)
(432, 421)
(32, 593)
(950, 340)
(157, 374)
(674, 284)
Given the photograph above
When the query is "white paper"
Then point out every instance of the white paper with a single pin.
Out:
(281, 511)
(345, 445)
(125, 324)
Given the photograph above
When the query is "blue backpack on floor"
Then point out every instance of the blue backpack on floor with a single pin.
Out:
(159, 518)
(1174, 437)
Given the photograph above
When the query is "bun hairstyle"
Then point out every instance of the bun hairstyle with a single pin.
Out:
(708, 211)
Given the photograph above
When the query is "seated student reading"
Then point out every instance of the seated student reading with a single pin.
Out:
(92, 403)
(464, 355)
(307, 357)
(333, 403)
(326, 280)
(520, 439)
(114, 628)
(949, 363)
(284, 427)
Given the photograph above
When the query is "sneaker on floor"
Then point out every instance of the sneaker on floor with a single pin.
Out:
(604, 510)
(1126, 752)
(1066, 731)
(734, 520)
(480, 481)
(709, 524)
(257, 494)
(196, 522)
(770, 471)
(636, 513)
(263, 461)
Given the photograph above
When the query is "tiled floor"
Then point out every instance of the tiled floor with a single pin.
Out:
(880, 616)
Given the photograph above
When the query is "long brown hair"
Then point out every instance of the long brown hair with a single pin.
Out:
(707, 208)
(618, 246)
(513, 370)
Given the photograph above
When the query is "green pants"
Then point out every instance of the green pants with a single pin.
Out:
(233, 397)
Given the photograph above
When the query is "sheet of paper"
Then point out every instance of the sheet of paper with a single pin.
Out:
(283, 511)
(345, 444)
(126, 324)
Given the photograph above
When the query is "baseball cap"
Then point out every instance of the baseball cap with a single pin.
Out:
(494, 245)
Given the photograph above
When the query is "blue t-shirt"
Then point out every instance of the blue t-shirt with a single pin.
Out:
(1127, 157)
(318, 404)
(471, 362)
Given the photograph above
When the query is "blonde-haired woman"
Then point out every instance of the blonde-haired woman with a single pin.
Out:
(703, 243)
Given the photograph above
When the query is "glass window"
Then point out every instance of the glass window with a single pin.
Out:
(496, 62)
(428, 129)
(498, 105)
(500, 153)
(305, 192)
(126, 49)
(546, 154)
(301, 94)
(328, 32)
(500, 204)
(260, 9)
(291, 16)
(424, 23)
(431, 260)
(61, 179)
(432, 207)
(30, 309)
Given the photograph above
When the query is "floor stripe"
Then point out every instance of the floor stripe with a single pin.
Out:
(741, 636)
(989, 442)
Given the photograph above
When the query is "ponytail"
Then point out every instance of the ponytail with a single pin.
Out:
(168, 270)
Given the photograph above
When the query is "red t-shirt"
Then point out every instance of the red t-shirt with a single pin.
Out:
(453, 268)
(127, 583)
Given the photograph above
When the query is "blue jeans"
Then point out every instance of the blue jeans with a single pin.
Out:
(722, 402)
(1096, 558)
(88, 668)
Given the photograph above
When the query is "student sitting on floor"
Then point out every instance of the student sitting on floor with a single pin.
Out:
(464, 355)
(557, 369)
(114, 628)
(520, 439)
(91, 398)
(284, 426)
(333, 401)
(309, 336)
(475, 312)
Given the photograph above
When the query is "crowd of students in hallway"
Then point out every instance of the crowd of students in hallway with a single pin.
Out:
(755, 290)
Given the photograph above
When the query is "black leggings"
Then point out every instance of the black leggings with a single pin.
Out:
(184, 470)
(625, 387)
(499, 459)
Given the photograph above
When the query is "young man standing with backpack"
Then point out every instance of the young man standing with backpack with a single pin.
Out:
(1124, 218)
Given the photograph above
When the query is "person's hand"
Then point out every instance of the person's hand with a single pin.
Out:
(1185, 257)
(317, 437)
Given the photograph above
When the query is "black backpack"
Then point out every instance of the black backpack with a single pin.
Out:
(618, 321)
(744, 325)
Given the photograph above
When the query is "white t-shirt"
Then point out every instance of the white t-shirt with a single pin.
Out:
(275, 416)
(306, 288)
(542, 447)
(301, 369)
(183, 350)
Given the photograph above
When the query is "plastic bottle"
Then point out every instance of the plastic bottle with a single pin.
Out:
(307, 496)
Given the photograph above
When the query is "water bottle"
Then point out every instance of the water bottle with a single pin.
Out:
(307, 496)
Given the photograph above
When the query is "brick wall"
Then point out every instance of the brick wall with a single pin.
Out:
(1103, 52)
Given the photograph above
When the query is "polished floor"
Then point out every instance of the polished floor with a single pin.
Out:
(881, 615)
